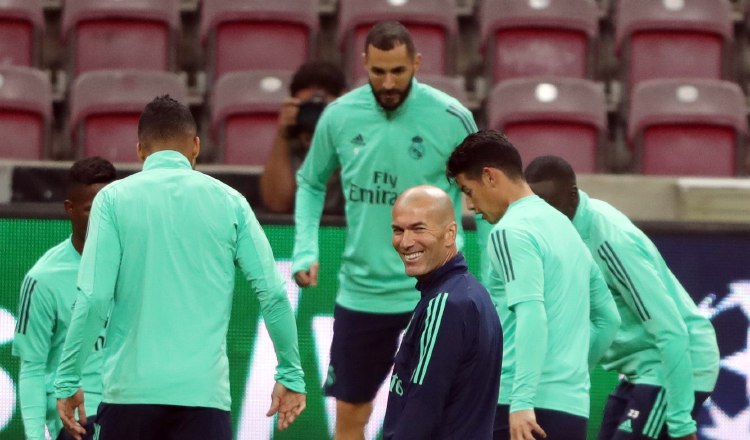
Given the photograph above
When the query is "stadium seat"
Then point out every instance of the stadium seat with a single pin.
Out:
(25, 112)
(687, 127)
(257, 34)
(105, 106)
(672, 38)
(21, 28)
(432, 24)
(244, 119)
(522, 38)
(117, 34)
(566, 117)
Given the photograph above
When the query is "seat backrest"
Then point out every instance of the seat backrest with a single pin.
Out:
(522, 38)
(21, 27)
(258, 34)
(105, 107)
(244, 118)
(672, 38)
(431, 23)
(687, 127)
(551, 115)
(116, 34)
(25, 112)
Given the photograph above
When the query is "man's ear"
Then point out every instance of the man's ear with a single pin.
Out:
(417, 62)
(196, 150)
(451, 234)
(140, 150)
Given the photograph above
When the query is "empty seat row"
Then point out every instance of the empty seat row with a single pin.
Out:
(684, 127)
(655, 38)
(694, 127)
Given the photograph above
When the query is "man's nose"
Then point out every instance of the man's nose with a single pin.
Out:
(389, 82)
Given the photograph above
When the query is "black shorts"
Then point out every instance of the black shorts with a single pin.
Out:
(362, 352)
(557, 425)
(162, 422)
(639, 412)
(90, 430)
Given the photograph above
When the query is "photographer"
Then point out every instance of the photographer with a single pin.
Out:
(313, 86)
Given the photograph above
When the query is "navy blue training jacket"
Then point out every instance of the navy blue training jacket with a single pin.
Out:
(446, 375)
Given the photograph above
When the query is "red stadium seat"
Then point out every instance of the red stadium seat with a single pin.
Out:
(566, 117)
(105, 107)
(523, 38)
(21, 27)
(687, 127)
(25, 112)
(672, 38)
(117, 34)
(257, 34)
(245, 109)
(432, 24)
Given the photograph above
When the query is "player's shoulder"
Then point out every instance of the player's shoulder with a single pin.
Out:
(56, 258)
(221, 187)
(357, 98)
(431, 97)
(611, 225)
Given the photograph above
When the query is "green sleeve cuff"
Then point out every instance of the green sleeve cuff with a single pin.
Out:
(292, 379)
(516, 406)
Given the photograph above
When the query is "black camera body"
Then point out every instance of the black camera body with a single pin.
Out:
(309, 112)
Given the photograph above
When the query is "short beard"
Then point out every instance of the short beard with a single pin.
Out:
(403, 95)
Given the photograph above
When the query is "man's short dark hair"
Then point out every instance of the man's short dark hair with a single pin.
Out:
(386, 35)
(319, 74)
(553, 168)
(91, 170)
(165, 119)
(486, 148)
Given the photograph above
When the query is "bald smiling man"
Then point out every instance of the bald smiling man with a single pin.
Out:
(446, 376)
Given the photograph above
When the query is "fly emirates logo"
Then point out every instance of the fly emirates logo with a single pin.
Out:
(381, 190)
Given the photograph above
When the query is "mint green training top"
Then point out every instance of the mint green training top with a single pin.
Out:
(381, 153)
(161, 251)
(663, 339)
(548, 291)
(47, 295)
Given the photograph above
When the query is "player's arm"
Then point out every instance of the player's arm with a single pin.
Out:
(312, 178)
(444, 337)
(630, 267)
(255, 258)
(605, 319)
(36, 319)
(97, 275)
(514, 255)
(483, 229)
(32, 398)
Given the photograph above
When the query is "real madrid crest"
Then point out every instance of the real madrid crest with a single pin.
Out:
(416, 149)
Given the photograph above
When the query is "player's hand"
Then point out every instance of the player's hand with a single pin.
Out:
(288, 112)
(523, 425)
(66, 408)
(692, 436)
(287, 403)
(309, 277)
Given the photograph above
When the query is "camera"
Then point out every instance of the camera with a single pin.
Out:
(310, 111)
